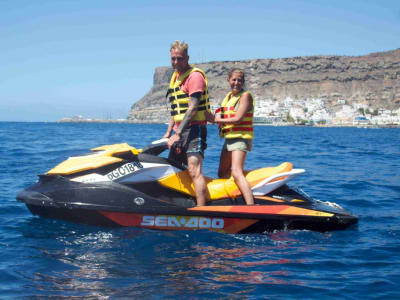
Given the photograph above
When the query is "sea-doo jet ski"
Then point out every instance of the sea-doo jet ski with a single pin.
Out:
(119, 185)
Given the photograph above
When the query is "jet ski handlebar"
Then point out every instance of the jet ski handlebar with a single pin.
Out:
(156, 147)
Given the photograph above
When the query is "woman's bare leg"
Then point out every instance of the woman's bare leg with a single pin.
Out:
(224, 169)
(238, 158)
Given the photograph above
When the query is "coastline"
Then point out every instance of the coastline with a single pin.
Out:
(283, 124)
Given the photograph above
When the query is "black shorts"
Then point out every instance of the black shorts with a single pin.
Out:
(193, 140)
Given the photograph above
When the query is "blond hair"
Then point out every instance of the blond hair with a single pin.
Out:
(235, 70)
(180, 46)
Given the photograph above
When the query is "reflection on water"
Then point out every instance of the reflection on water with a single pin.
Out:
(249, 264)
(99, 263)
(238, 265)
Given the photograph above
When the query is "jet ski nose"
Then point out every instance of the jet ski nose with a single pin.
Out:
(347, 220)
(33, 197)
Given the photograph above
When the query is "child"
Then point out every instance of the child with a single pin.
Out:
(235, 118)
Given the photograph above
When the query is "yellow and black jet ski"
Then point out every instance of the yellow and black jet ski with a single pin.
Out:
(119, 185)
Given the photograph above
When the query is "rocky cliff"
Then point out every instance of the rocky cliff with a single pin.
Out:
(372, 80)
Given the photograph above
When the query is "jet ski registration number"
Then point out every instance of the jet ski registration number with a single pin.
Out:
(124, 170)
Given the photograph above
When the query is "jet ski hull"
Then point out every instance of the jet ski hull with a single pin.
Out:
(113, 205)
(248, 224)
(118, 185)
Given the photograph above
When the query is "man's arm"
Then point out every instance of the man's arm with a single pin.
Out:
(170, 126)
(193, 105)
(194, 101)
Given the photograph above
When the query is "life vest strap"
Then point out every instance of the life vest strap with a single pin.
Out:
(180, 105)
(238, 129)
(247, 115)
(182, 111)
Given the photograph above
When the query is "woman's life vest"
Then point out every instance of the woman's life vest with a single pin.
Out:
(244, 128)
(179, 100)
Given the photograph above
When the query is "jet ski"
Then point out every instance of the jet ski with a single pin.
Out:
(120, 185)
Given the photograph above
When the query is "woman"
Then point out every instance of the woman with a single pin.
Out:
(236, 125)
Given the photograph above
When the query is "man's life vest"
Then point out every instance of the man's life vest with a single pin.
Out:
(244, 128)
(179, 100)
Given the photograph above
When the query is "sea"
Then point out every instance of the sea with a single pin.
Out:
(357, 168)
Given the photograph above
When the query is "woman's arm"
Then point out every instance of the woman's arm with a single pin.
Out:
(210, 117)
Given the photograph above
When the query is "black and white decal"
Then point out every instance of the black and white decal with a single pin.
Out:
(131, 172)
(91, 178)
(124, 170)
(150, 172)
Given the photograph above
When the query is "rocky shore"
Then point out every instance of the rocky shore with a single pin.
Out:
(329, 90)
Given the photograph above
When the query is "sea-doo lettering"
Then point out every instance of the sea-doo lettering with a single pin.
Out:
(147, 221)
(183, 222)
(192, 223)
(173, 222)
(124, 170)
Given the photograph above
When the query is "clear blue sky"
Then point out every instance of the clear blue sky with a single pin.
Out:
(61, 58)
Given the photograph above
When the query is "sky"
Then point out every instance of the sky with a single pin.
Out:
(95, 58)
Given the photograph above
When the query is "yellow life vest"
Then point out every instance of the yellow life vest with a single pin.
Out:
(244, 128)
(179, 100)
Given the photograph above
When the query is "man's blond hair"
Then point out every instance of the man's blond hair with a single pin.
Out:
(180, 46)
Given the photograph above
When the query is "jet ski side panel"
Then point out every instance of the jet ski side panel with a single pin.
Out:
(225, 224)
(180, 222)
(60, 192)
(113, 204)
(81, 216)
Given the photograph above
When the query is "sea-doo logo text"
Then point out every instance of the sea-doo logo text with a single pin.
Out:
(183, 222)
(124, 170)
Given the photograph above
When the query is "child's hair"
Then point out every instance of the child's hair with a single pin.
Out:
(235, 70)
(180, 46)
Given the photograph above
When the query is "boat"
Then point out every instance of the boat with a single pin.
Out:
(120, 185)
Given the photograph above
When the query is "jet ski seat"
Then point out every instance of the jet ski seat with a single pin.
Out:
(98, 157)
(223, 188)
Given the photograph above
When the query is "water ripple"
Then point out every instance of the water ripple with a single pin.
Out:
(357, 168)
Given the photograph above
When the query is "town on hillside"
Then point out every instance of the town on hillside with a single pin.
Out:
(312, 112)
(316, 112)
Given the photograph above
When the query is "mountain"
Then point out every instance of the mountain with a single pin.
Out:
(365, 83)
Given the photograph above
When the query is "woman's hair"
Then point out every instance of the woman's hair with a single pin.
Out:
(235, 70)
(180, 46)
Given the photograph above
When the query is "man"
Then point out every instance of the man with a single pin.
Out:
(188, 97)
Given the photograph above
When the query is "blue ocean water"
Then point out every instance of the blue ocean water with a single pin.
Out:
(357, 168)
